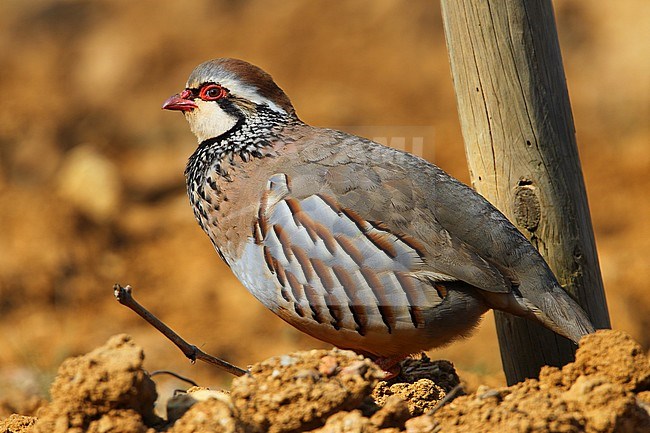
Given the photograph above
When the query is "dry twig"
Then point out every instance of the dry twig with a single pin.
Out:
(124, 296)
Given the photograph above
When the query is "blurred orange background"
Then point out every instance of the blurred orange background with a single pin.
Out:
(91, 169)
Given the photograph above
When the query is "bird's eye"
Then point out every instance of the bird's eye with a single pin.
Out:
(212, 92)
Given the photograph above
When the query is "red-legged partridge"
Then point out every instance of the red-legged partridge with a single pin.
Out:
(357, 244)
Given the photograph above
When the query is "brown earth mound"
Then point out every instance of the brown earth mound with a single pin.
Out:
(607, 389)
(91, 169)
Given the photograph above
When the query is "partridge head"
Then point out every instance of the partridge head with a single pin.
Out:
(357, 244)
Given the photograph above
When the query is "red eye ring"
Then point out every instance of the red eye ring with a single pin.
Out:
(212, 92)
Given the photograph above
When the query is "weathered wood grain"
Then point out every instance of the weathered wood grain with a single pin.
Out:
(521, 150)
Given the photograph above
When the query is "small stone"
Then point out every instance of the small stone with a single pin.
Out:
(421, 424)
(328, 365)
(286, 360)
(487, 393)
(349, 422)
(358, 368)
(394, 413)
(307, 373)
(181, 403)
(178, 405)
(211, 415)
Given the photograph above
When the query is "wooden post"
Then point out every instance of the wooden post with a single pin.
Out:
(520, 142)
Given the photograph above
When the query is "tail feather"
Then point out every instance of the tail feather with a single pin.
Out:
(556, 310)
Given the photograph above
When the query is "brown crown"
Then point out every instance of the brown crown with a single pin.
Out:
(246, 73)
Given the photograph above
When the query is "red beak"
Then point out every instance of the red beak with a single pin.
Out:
(180, 102)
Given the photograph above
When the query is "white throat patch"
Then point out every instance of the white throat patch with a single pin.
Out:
(209, 120)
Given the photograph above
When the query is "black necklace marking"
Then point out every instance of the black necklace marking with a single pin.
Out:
(252, 136)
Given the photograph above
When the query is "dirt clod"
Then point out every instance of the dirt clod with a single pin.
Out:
(104, 390)
(594, 394)
(288, 393)
(211, 415)
(351, 422)
(332, 391)
(422, 383)
(613, 355)
(394, 413)
(179, 404)
(16, 423)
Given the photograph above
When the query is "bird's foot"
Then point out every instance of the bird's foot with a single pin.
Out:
(390, 365)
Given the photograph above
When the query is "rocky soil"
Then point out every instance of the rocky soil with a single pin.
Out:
(606, 390)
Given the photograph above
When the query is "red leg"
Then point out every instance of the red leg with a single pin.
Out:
(390, 365)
